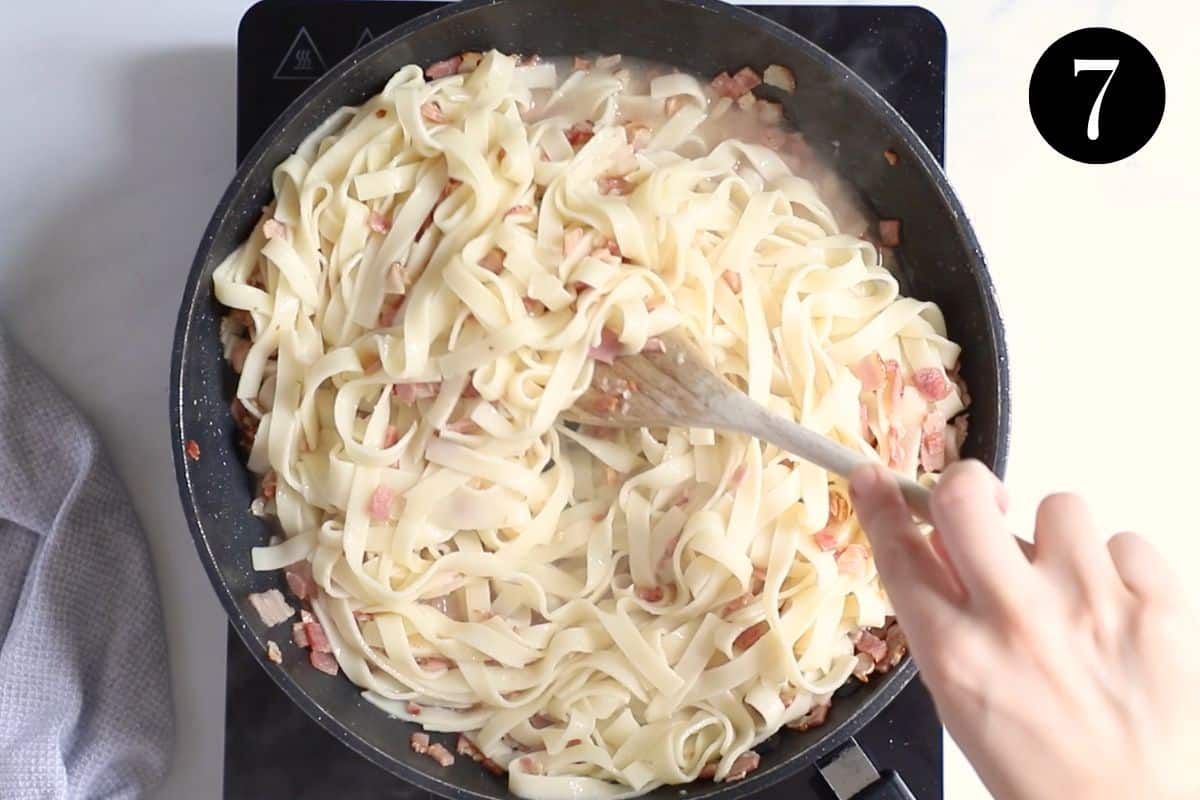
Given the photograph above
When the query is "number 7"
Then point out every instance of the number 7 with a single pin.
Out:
(1108, 65)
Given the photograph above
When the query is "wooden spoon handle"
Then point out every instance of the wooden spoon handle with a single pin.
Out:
(822, 451)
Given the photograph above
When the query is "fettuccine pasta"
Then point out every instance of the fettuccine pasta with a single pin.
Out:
(597, 612)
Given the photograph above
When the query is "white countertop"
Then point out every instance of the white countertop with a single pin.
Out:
(119, 140)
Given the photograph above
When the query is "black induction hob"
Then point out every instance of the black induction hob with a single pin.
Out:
(272, 749)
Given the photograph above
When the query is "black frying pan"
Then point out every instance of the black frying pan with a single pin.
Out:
(841, 116)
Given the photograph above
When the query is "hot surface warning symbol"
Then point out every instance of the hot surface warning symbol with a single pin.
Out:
(302, 62)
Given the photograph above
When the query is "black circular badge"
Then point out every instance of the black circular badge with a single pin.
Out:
(1097, 95)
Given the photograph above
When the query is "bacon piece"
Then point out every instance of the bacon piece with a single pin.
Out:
(852, 561)
(870, 371)
(268, 487)
(897, 646)
(362, 617)
(895, 447)
(725, 86)
(391, 436)
(872, 645)
(299, 637)
(956, 436)
(413, 708)
(317, 639)
(654, 345)
(381, 504)
(839, 507)
(825, 539)
(419, 742)
(742, 766)
(865, 423)
(651, 594)
(532, 306)
(466, 747)
(464, 425)
(324, 662)
(733, 280)
(441, 755)
(611, 185)
(746, 79)
(440, 69)
(748, 637)
(933, 442)
(931, 383)
(608, 349)
(435, 663)
(891, 157)
(521, 209)
(271, 606)
(667, 559)
(864, 666)
(493, 261)
(582, 63)
(192, 449)
(432, 112)
(737, 604)
(637, 135)
(381, 113)
(673, 104)
(409, 393)
(300, 579)
(893, 384)
(708, 771)
(814, 718)
(780, 77)
(580, 133)
(378, 222)
(390, 310)
(274, 654)
(238, 353)
(274, 229)
(540, 721)
(889, 232)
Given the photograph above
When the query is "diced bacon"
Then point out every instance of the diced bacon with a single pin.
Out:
(725, 86)
(737, 604)
(540, 721)
(466, 747)
(895, 447)
(611, 185)
(825, 539)
(933, 442)
(780, 77)
(746, 79)
(300, 579)
(742, 766)
(268, 487)
(667, 559)
(673, 104)
(872, 645)
(192, 449)
(419, 742)
(299, 637)
(893, 383)
(271, 606)
(324, 662)
(493, 261)
(378, 222)
(608, 349)
(865, 423)
(441, 755)
(381, 504)
(852, 561)
(606, 403)
(931, 383)
(637, 135)
(306, 616)
(317, 639)
(733, 280)
(464, 425)
(531, 766)
(738, 475)
(440, 69)
(274, 229)
(814, 718)
(870, 372)
(839, 507)
(654, 345)
(580, 133)
(532, 306)
(409, 393)
(274, 654)
(891, 157)
(864, 666)
(582, 63)
(435, 663)
(362, 617)
(521, 209)
(897, 646)
(889, 232)
(238, 353)
(391, 436)
(381, 113)
(748, 637)
(651, 594)
(432, 112)
(956, 436)
(413, 708)
(390, 310)
(708, 771)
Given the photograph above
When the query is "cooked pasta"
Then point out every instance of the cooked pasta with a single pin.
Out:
(597, 612)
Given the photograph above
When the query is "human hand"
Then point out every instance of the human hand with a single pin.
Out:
(1071, 673)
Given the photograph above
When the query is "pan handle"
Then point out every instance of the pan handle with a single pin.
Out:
(852, 776)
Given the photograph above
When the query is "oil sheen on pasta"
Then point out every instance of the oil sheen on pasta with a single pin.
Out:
(601, 613)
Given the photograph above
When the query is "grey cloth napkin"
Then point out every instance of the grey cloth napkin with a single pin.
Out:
(85, 705)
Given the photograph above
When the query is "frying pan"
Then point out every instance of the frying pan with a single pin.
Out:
(840, 115)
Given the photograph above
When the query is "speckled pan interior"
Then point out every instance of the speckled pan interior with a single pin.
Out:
(840, 115)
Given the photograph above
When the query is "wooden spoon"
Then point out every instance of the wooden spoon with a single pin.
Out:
(674, 386)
